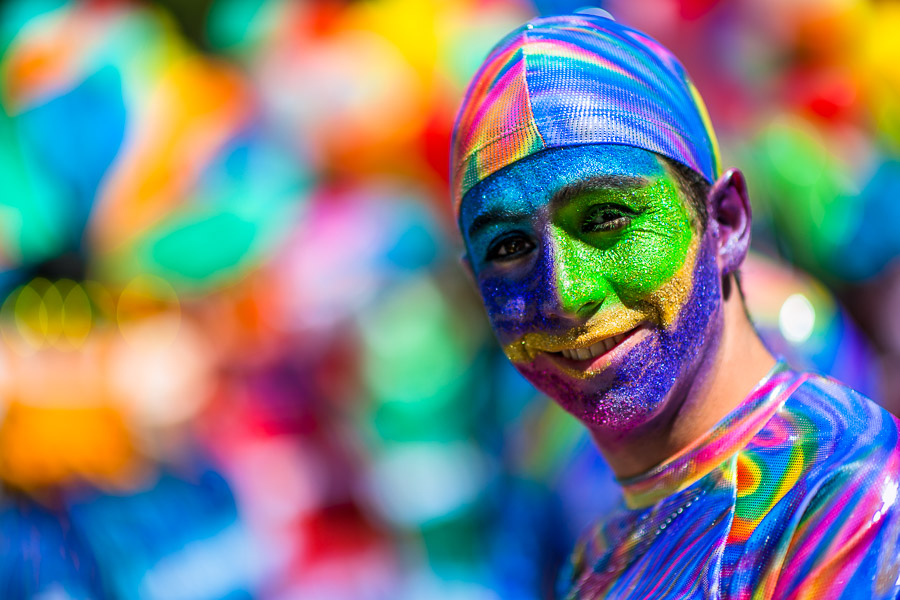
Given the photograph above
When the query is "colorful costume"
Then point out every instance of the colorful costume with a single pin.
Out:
(792, 495)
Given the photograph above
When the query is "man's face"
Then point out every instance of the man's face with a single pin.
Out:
(598, 283)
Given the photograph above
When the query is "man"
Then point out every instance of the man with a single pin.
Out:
(606, 244)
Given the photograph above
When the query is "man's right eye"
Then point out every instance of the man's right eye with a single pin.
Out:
(509, 247)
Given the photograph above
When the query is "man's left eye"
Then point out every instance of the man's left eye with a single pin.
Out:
(606, 219)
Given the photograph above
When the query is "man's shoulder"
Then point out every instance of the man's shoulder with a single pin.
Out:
(846, 522)
(834, 426)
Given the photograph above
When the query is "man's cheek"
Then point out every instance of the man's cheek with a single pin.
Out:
(635, 281)
(646, 264)
(506, 304)
(670, 299)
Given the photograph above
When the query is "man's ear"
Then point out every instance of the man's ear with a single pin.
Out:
(729, 213)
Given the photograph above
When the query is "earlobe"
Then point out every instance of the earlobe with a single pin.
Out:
(730, 213)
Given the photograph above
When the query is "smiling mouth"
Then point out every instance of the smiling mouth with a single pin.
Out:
(595, 350)
(582, 350)
(588, 360)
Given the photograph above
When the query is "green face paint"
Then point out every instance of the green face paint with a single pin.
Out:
(616, 247)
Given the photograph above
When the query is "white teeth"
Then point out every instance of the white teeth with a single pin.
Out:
(598, 349)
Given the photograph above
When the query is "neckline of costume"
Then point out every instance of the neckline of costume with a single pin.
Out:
(726, 438)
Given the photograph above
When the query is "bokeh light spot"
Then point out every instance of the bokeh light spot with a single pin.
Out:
(797, 319)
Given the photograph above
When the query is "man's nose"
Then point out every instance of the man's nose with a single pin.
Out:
(580, 287)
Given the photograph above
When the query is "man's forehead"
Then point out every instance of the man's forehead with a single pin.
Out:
(531, 182)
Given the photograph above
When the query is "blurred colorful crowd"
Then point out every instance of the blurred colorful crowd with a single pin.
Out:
(238, 357)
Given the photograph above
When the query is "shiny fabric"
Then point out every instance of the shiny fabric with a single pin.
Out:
(792, 496)
(572, 80)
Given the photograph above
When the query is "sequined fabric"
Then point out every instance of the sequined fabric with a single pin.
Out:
(793, 495)
(572, 80)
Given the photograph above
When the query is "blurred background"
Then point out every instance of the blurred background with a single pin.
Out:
(238, 357)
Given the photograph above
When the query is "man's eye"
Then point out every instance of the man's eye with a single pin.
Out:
(509, 248)
(606, 219)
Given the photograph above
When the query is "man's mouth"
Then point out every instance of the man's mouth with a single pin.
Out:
(583, 350)
(585, 361)
(595, 350)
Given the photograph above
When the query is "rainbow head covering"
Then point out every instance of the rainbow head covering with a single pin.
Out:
(572, 80)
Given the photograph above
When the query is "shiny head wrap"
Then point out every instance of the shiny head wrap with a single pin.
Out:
(572, 80)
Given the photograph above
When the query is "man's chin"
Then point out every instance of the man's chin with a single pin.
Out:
(613, 409)
(615, 397)
(602, 401)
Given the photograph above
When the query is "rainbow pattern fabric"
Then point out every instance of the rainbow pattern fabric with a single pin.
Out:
(578, 79)
(792, 496)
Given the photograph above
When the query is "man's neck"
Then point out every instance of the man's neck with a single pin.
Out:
(731, 371)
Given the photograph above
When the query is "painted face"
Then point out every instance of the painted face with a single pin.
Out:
(597, 281)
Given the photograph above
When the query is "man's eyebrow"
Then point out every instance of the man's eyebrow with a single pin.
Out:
(601, 182)
(563, 196)
(492, 216)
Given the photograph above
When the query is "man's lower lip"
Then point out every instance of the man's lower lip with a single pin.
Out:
(597, 363)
